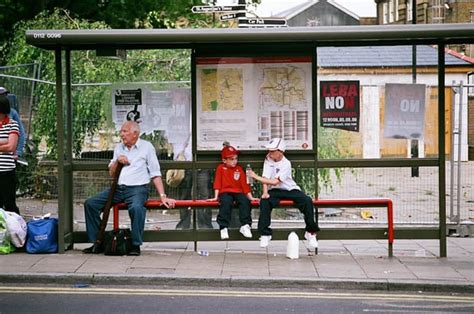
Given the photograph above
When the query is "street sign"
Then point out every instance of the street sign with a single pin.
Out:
(217, 8)
(262, 22)
(229, 16)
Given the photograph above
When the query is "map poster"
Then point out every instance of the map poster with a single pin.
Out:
(249, 100)
(404, 113)
(340, 105)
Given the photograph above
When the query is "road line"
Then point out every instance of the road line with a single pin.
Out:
(239, 293)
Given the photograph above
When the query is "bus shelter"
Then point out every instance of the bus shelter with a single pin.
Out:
(287, 58)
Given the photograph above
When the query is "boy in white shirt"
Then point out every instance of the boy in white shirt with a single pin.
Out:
(278, 184)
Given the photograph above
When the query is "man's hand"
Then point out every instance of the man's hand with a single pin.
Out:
(168, 202)
(123, 160)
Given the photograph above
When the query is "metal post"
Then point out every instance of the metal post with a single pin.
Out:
(194, 138)
(460, 106)
(60, 137)
(414, 145)
(68, 182)
(451, 150)
(441, 151)
(314, 74)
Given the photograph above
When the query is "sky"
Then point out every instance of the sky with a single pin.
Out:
(363, 8)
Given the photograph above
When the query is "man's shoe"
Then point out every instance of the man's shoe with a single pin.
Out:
(94, 249)
(311, 237)
(246, 231)
(134, 251)
(265, 240)
(224, 234)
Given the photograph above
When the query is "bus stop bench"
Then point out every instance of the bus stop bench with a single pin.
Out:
(196, 235)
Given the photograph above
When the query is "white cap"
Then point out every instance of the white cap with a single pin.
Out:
(276, 144)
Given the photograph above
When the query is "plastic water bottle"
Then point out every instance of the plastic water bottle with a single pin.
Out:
(247, 173)
(293, 247)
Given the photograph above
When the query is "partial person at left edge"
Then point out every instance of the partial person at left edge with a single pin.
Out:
(140, 166)
(15, 116)
(9, 134)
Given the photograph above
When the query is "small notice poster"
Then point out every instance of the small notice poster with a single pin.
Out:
(125, 101)
(404, 110)
(339, 105)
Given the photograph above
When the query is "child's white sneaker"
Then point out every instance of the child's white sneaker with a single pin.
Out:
(265, 240)
(245, 230)
(224, 234)
(311, 237)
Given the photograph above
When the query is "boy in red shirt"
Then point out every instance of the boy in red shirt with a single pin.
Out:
(230, 185)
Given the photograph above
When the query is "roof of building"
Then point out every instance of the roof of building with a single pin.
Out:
(294, 11)
(383, 56)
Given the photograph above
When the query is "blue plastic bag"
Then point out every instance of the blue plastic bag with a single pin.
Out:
(42, 236)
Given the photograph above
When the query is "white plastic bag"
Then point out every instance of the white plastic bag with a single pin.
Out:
(16, 227)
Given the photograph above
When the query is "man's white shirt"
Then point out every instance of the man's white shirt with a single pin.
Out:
(143, 165)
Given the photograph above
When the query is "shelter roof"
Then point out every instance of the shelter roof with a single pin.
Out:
(191, 38)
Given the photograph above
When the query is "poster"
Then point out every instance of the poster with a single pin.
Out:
(124, 101)
(247, 101)
(160, 110)
(340, 105)
(404, 111)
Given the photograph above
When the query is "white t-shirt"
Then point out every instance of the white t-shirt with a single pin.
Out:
(280, 170)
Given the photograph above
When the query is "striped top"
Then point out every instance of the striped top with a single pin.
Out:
(7, 127)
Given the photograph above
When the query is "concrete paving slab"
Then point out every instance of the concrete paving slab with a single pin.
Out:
(192, 264)
(431, 268)
(157, 259)
(384, 268)
(281, 266)
(61, 263)
(245, 265)
(330, 266)
(106, 264)
(18, 262)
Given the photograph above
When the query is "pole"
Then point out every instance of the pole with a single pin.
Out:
(414, 145)
(460, 106)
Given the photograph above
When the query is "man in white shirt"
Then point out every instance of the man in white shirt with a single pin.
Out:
(278, 184)
(140, 166)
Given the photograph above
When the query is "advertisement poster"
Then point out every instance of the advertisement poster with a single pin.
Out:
(248, 101)
(160, 110)
(404, 110)
(124, 101)
(340, 105)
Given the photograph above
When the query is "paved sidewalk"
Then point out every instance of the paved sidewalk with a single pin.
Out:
(339, 265)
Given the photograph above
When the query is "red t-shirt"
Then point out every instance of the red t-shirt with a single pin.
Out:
(231, 180)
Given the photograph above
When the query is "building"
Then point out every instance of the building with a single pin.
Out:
(428, 12)
(436, 12)
(318, 13)
(375, 66)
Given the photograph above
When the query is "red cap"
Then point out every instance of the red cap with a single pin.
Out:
(229, 151)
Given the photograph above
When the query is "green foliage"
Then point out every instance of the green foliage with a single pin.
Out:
(19, 52)
(88, 103)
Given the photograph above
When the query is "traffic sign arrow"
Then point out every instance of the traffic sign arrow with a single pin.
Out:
(279, 22)
(229, 16)
(217, 8)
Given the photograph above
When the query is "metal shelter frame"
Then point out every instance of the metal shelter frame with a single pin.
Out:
(246, 42)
